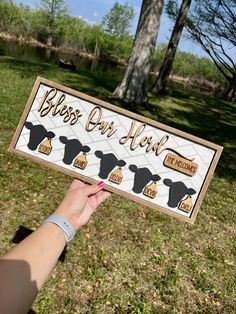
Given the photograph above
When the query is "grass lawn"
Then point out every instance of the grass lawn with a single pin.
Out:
(129, 258)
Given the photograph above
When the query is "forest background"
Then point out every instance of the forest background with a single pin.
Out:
(110, 40)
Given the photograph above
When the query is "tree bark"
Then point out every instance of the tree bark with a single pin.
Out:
(230, 92)
(133, 87)
(166, 66)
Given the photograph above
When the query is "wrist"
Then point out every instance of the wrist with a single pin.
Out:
(69, 217)
(62, 223)
(56, 231)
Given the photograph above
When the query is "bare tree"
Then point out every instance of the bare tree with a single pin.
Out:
(166, 66)
(133, 88)
(212, 24)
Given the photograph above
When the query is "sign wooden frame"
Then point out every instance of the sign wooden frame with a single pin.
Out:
(214, 149)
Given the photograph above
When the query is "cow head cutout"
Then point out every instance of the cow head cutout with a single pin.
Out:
(142, 177)
(108, 163)
(178, 190)
(72, 149)
(37, 134)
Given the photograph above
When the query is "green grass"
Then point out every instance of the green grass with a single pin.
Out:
(129, 258)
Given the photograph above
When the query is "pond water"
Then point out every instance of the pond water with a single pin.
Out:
(38, 54)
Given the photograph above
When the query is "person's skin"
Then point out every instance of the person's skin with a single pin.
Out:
(26, 267)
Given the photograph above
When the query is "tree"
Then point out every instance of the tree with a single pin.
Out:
(51, 9)
(70, 32)
(166, 66)
(113, 41)
(212, 24)
(133, 87)
(9, 13)
(118, 20)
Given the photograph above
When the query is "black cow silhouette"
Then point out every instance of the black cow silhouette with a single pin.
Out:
(177, 192)
(108, 163)
(72, 149)
(142, 177)
(37, 134)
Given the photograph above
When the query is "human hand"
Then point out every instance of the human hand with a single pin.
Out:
(80, 201)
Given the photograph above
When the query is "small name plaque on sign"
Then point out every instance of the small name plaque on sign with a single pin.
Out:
(181, 164)
(138, 158)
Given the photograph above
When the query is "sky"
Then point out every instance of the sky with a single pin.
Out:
(93, 10)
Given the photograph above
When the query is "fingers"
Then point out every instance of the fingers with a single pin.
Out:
(101, 196)
(76, 183)
(93, 189)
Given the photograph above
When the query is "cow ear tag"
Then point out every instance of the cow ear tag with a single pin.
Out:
(186, 205)
(45, 146)
(151, 190)
(116, 176)
(81, 161)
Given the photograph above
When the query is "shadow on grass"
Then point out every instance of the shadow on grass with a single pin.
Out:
(97, 84)
(210, 118)
(207, 117)
(24, 232)
(26, 68)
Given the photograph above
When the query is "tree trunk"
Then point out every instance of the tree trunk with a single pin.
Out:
(166, 66)
(133, 88)
(230, 92)
(49, 40)
(97, 49)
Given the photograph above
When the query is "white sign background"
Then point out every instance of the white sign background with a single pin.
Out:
(201, 154)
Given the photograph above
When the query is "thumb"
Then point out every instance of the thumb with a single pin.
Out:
(94, 188)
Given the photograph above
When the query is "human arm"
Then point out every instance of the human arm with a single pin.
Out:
(26, 267)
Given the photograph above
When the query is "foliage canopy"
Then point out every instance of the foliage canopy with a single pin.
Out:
(118, 20)
(76, 34)
(212, 25)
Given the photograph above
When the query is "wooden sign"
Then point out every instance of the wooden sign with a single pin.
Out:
(136, 157)
(181, 164)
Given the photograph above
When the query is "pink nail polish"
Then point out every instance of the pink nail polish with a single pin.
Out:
(101, 184)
